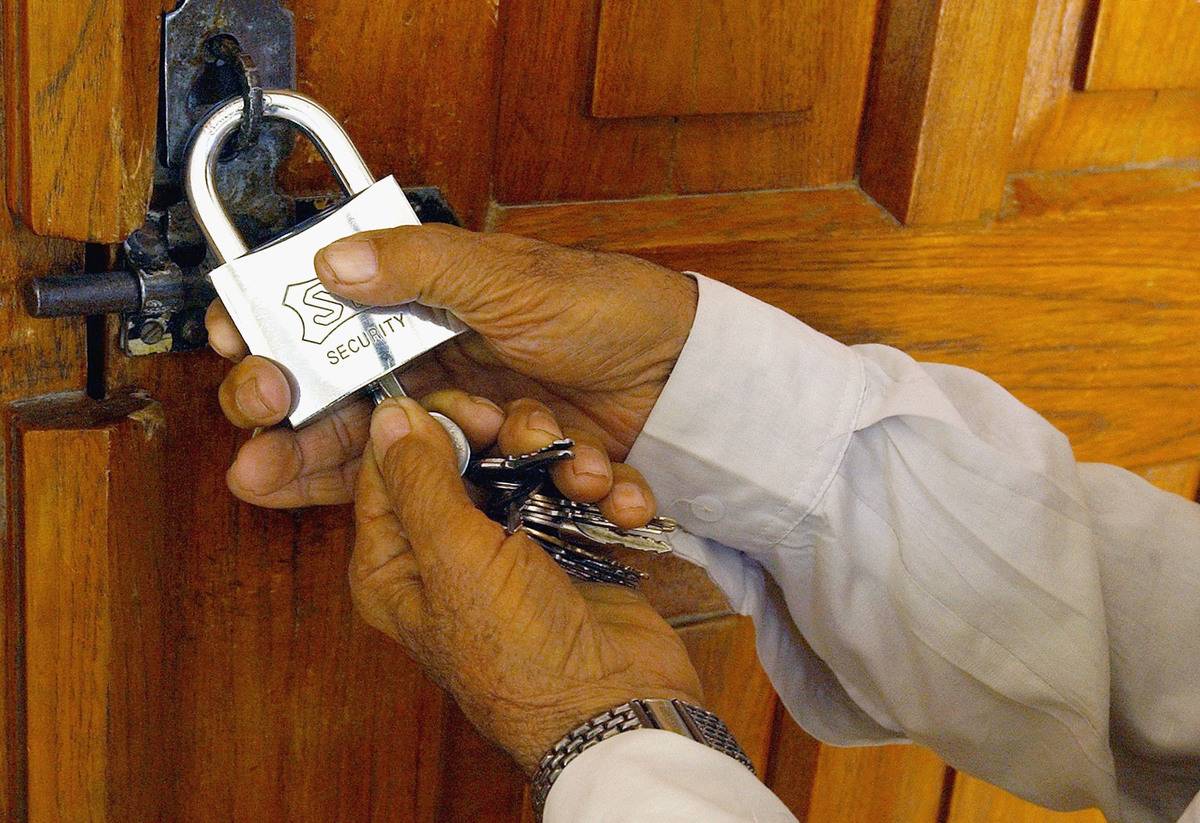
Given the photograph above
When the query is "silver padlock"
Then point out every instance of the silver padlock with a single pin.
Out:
(330, 348)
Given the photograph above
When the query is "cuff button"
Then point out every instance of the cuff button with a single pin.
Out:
(707, 508)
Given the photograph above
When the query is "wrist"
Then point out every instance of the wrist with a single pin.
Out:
(538, 732)
(672, 715)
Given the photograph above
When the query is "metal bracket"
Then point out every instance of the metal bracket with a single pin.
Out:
(212, 50)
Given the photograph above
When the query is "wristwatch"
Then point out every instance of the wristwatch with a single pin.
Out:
(669, 715)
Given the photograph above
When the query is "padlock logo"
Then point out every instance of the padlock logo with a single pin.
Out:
(319, 311)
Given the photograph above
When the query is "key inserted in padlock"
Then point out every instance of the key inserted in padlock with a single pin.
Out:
(329, 348)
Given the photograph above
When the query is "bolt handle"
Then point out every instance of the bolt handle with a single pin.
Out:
(73, 295)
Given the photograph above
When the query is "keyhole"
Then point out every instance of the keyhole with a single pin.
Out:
(221, 77)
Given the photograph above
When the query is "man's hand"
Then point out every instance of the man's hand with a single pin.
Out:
(593, 336)
(527, 653)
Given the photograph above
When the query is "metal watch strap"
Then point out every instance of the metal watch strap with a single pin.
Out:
(670, 715)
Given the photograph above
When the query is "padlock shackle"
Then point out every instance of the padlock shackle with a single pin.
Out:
(200, 171)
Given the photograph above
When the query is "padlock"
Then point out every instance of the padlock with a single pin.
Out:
(331, 349)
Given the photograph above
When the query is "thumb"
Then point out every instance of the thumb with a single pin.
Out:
(478, 277)
(457, 548)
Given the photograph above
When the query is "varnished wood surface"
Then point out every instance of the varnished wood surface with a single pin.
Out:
(36, 357)
(792, 764)
(728, 56)
(91, 492)
(1141, 46)
(286, 705)
(551, 149)
(945, 86)
(1086, 315)
(890, 784)
(1059, 127)
(413, 83)
(81, 110)
(974, 801)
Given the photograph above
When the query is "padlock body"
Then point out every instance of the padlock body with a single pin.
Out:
(329, 348)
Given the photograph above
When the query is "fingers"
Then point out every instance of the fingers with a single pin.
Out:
(630, 504)
(223, 336)
(471, 274)
(385, 580)
(530, 426)
(314, 466)
(255, 393)
(479, 418)
(449, 536)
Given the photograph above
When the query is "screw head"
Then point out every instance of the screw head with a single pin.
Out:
(151, 332)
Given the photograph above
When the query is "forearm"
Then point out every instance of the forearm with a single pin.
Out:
(946, 566)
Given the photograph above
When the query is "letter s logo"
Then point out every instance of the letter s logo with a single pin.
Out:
(328, 310)
(319, 311)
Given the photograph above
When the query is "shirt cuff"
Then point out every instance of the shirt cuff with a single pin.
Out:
(650, 774)
(713, 448)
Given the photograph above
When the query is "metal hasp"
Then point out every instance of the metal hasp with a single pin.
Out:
(193, 80)
(213, 50)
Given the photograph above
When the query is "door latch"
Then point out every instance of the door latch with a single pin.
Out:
(213, 50)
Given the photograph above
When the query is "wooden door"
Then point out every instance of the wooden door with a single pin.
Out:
(1006, 185)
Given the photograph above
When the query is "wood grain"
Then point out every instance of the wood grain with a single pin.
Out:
(1145, 47)
(286, 705)
(92, 517)
(36, 357)
(792, 764)
(891, 784)
(482, 783)
(550, 149)
(974, 801)
(1086, 315)
(81, 112)
(718, 57)
(1059, 127)
(945, 87)
(413, 83)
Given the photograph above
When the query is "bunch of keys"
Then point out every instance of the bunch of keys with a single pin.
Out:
(576, 535)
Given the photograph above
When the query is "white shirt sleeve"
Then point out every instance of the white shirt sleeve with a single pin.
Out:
(924, 559)
(659, 777)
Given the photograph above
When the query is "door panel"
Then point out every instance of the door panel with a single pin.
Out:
(727, 57)
(552, 148)
(935, 140)
(1060, 127)
(977, 802)
(1075, 291)
(413, 83)
(82, 105)
(91, 516)
(891, 784)
(1141, 46)
(36, 357)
